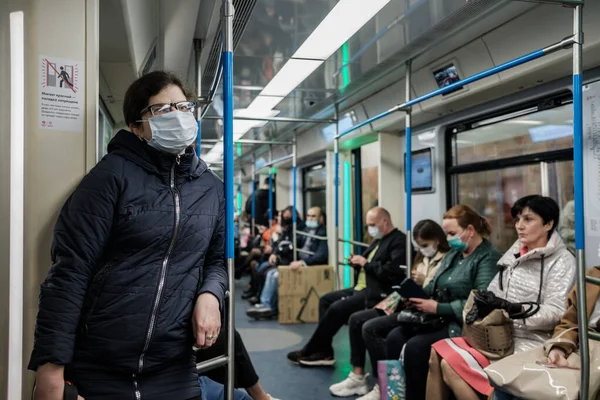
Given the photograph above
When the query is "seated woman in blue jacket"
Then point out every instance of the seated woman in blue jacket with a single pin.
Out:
(138, 276)
(311, 251)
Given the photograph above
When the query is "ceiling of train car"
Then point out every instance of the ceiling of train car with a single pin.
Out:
(279, 28)
(294, 58)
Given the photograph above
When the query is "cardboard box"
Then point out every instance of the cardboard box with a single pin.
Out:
(300, 291)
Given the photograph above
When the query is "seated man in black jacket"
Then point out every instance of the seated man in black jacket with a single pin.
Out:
(376, 272)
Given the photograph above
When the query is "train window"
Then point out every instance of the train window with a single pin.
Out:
(314, 186)
(543, 131)
(495, 164)
(370, 156)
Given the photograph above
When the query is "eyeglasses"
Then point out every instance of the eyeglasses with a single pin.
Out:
(163, 108)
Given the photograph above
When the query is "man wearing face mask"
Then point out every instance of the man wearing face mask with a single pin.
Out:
(312, 252)
(138, 276)
(376, 272)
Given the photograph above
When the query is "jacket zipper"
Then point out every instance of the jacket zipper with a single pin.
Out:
(161, 282)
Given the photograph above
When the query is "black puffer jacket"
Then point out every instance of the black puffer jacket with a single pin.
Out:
(136, 243)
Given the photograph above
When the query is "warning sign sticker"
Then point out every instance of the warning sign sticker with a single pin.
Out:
(61, 94)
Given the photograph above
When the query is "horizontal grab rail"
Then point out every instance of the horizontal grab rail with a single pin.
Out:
(593, 335)
(276, 161)
(310, 253)
(310, 235)
(353, 242)
(592, 280)
(563, 44)
(211, 364)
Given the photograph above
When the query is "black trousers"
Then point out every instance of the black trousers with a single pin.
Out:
(335, 309)
(358, 347)
(385, 339)
(245, 375)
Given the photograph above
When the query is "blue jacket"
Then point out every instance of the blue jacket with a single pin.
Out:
(319, 247)
(136, 243)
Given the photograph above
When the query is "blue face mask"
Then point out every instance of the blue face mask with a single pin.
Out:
(312, 224)
(456, 244)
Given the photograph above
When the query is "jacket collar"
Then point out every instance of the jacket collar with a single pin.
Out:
(438, 256)
(453, 254)
(512, 256)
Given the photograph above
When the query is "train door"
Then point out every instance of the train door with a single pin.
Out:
(496, 161)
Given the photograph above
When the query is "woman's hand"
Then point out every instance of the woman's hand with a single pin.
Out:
(557, 357)
(272, 260)
(50, 383)
(428, 306)
(206, 320)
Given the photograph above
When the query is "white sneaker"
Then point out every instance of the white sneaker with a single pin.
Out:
(271, 397)
(352, 385)
(372, 395)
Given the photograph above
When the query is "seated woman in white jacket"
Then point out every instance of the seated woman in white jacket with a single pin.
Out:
(537, 268)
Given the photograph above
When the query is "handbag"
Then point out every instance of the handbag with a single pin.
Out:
(528, 376)
(493, 335)
(418, 322)
(391, 380)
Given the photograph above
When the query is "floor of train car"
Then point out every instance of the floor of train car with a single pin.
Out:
(268, 343)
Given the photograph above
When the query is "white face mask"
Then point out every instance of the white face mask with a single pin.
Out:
(312, 224)
(374, 232)
(173, 132)
(428, 251)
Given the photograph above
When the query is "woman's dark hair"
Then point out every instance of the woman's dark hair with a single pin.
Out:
(138, 94)
(545, 207)
(430, 230)
(290, 209)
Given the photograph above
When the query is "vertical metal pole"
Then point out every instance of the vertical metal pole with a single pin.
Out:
(336, 201)
(294, 194)
(199, 136)
(13, 389)
(271, 196)
(358, 199)
(579, 212)
(253, 195)
(408, 173)
(240, 196)
(545, 178)
(228, 12)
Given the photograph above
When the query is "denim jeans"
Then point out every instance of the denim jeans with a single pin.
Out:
(262, 266)
(268, 296)
(212, 390)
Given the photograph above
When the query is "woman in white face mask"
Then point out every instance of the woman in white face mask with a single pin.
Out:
(139, 251)
(432, 245)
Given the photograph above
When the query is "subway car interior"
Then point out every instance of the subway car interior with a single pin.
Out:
(359, 154)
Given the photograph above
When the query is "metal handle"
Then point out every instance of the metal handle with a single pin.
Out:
(310, 235)
(213, 363)
(353, 242)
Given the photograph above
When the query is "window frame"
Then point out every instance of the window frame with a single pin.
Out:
(453, 130)
(305, 189)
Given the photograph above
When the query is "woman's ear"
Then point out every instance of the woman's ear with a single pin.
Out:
(137, 130)
(471, 230)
